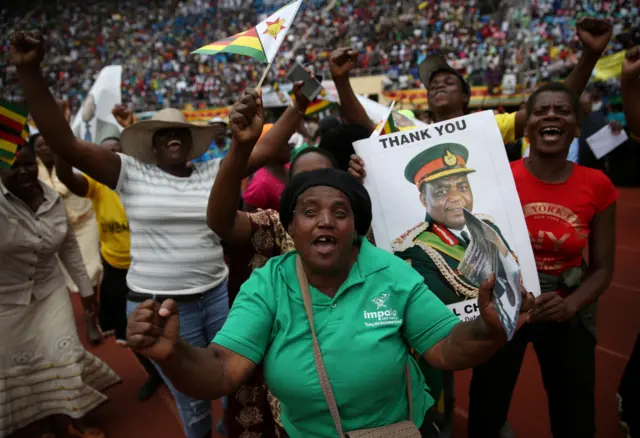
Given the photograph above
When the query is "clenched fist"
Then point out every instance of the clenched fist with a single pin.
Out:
(594, 34)
(342, 61)
(631, 64)
(27, 49)
(247, 118)
(123, 115)
(153, 329)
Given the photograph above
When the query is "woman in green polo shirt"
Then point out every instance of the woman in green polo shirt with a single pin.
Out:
(368, 305)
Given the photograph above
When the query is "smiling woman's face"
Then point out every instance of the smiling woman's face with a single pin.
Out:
(323, 229)
(172, 146)
(552, 124)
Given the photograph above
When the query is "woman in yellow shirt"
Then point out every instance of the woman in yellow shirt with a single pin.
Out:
(113, 229)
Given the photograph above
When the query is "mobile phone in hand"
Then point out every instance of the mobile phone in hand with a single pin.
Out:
(311, 88)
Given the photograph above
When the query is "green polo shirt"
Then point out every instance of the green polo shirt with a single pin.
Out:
(364, 333)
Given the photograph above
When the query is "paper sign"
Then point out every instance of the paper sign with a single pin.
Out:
(421, 181)
(604, 141)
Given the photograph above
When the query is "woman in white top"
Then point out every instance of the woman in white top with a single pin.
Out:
(174, 253)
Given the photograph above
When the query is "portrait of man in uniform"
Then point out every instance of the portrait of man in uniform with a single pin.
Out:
(436, 246)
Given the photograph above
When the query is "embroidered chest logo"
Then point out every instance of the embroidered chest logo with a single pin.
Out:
(380, 301)
(383, 314)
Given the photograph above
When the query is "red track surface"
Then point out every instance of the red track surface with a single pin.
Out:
(124, 417)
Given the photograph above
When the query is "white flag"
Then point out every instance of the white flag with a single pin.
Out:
(273, 30)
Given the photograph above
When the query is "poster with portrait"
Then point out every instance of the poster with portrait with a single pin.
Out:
(422, 181)
(94, 122)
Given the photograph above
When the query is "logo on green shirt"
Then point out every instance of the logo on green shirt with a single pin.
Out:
(383, 314)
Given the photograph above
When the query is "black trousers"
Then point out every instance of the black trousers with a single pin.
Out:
(112, 313)
(566, 353)
(629, 392)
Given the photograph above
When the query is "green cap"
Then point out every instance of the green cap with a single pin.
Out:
(437, 162)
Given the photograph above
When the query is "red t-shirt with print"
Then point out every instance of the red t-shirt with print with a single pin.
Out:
(559, 216)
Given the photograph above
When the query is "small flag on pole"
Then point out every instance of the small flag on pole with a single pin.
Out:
(322, 103)
(261, 42)
(387, 125)
(13, 131)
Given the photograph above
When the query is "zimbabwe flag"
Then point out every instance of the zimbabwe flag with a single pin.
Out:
(13, 131)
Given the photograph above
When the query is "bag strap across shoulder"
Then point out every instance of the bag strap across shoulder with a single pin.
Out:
(317, 356)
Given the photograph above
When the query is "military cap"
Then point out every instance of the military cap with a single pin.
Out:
(437, 162)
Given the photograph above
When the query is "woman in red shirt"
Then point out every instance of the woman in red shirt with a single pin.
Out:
(566, 207)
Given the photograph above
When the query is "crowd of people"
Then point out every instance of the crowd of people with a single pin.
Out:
(533, 41)
(235, 259)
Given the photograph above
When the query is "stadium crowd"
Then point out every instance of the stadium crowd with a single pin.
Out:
(153, 41)
(191, 244)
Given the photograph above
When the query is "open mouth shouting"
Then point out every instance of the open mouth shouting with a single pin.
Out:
(325, 244)
(550, 134)
(174, 146)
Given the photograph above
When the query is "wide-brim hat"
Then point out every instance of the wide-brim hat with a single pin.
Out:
(436, 64)
(136, 140)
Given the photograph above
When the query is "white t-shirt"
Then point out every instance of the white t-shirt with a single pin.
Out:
(173, 251)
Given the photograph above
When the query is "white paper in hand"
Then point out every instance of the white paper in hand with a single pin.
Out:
(604, 141)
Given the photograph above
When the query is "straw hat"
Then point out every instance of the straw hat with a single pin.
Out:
(136, 140)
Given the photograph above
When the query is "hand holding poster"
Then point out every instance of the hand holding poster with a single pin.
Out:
(421, 182)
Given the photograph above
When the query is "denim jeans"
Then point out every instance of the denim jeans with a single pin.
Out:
(199, 322)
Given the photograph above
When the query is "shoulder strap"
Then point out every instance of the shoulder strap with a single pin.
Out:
(317, 356)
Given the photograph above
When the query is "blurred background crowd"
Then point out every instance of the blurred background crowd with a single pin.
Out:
(515, 42)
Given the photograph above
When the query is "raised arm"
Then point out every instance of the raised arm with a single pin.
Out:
(202, 373)
(272, 143)
(27, 52)
(223, 216)
(342, 61)
(594, 34)
(208, 373)
(630, 87)
(75, 182)
(247, 121)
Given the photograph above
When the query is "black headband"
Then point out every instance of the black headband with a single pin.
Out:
(338, 179)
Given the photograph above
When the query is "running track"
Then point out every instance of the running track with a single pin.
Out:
(124, 417)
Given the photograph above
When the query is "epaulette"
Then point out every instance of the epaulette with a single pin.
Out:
(405, 241)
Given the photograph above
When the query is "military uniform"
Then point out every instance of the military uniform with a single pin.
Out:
(435, 252)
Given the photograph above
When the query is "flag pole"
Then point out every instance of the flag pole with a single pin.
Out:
(264, 76)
